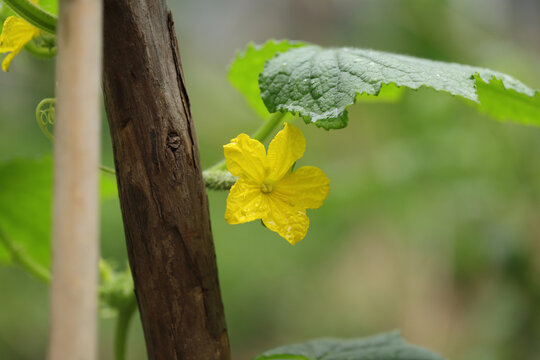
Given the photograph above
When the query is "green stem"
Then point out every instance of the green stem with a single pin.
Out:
(266, 129)
(24, 260)
(107, 169)
(123, 320)
(261, 134)
(40, 51)
(33, 14)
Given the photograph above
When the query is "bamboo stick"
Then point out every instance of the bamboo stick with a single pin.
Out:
(73, 333)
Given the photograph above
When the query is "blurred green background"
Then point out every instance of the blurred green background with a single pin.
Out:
(432, 225)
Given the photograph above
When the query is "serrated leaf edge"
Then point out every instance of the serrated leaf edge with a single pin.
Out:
(318, 119)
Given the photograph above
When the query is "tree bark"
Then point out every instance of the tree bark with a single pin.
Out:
(162, 194)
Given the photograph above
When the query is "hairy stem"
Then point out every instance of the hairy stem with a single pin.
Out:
(33, 14)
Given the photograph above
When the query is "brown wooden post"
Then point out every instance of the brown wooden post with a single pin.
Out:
(162, 194)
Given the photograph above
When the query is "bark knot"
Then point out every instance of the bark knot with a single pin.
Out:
(173, 141)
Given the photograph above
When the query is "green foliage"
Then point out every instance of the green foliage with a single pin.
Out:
(246, 67)
(26, 203)
(319, 84)
(505, 103)
(390, 346)
(115, 289)
(25, 200)
(388, 93)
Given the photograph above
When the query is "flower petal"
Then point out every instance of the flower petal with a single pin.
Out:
(6, 63)
(245, 202)
(16, 33)
(306, 187)
(288, 221)
(287, 147)
(246, 157)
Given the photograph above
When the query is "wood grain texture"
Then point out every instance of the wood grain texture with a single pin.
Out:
(162, 194)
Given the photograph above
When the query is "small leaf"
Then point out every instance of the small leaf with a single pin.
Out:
(246, 67)
(26, 204)
(390, 346)
(319, 84)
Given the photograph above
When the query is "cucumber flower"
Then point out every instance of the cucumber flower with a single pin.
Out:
(267, 189)
(16, 33)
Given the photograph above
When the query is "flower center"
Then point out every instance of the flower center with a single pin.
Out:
(267, 187)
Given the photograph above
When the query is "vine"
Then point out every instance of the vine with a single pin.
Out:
(34, 14)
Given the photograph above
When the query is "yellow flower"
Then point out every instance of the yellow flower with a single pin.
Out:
(16, 33)
(268, 190)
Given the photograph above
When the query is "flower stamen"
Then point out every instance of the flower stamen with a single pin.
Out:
(267, 187)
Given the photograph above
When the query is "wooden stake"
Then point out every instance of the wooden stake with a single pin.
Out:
(162, 193)
(73, 333)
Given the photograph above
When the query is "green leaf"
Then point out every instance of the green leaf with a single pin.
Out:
(26, 205)
(388, 93)
(503, 104)
(247, 65)
(390, 346)
(319, 84)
